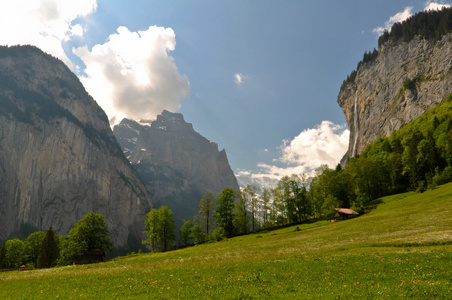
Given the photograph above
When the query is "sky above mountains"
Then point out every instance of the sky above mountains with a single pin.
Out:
(260, 78)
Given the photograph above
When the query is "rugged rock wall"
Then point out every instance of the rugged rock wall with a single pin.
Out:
(402, 82)
(59, 159)
(177, 164)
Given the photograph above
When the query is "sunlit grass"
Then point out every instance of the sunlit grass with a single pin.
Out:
(402, 249)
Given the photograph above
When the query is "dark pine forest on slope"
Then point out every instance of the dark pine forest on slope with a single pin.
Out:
(432, 24)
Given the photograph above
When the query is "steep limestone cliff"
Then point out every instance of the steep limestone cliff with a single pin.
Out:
(403, 81)
(59, 159)
(177, 164)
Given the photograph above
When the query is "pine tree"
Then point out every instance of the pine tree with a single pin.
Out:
(49, 250)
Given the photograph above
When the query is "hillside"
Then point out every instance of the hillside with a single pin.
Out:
(401, 249)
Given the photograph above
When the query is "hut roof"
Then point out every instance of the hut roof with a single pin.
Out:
(346, 211)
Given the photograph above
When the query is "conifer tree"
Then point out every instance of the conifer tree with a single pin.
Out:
(49, 250)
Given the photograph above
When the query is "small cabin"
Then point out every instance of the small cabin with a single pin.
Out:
(90, 257)
(344, 213)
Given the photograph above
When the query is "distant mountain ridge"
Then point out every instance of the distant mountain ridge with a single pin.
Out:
(176, 163)
(58, 157)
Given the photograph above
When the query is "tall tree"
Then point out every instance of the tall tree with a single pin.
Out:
(15, 253)
(33, 244)
(160, 225)
(240, 220)
(250, 193)
(90, 233)
(206, 212)
(185, 232)
(49, 251)
(266, 208)
(3, 262)
(152, 225)
(225, 211)
(166, 220)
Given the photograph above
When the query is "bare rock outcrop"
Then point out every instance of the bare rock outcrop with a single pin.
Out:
(59, 159)
(403, 81)
(176, 163)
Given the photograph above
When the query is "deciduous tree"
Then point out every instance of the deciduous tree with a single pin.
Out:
(160, 226)
(33, 244)
(225, 211)
(206, 212)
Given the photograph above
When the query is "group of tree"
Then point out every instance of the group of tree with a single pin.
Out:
(160, 226)
(46, 249)
(414, 158)
(432, 24)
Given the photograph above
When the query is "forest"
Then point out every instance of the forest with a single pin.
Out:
(432, 24)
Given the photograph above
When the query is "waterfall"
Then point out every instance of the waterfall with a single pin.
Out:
(355, 125)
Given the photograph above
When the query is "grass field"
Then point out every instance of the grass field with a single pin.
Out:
(402, 249)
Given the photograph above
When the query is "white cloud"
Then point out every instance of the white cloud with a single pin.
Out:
(324, 144)
(43, 23)
(132, 74)
(434, 6)
(405, 14)
(397, 18)
(239, 78)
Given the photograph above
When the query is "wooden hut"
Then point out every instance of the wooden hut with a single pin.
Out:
(344, 213)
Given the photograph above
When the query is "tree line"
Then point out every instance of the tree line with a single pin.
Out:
(414, 158)
(433, 24)
(46, 249)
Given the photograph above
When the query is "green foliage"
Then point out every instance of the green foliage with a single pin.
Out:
(431, 24)
(240, 215)
(206, 212)
(3, 263)
(160, 226)
(198, 235)
(251, 200)
(49, 251)
(414, 157)
(15, 255)
(90, 233)
(396, 251)
(33, 244)
(224, 213)
(185, 233)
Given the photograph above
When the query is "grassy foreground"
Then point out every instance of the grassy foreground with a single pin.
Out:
(403, 249)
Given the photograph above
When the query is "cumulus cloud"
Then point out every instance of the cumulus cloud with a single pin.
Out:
(132, 74)
(324, 144)
(43, 23)
(397, 18)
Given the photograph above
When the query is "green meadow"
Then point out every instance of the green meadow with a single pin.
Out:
(402, 249)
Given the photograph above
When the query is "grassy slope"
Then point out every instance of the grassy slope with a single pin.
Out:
(401, 249)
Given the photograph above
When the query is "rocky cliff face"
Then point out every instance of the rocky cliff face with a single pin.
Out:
(176, 163)
(59, 159)
(402, 82)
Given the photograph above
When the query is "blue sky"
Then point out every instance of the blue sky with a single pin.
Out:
(260, 78)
